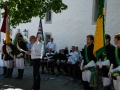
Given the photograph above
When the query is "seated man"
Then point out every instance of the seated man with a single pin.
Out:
(62, 59)
(49, 61)
(66, 51)
(72, 60)
(73, 56)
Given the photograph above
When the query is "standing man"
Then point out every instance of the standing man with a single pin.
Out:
(9, 59)
(36, 56)
(20, 56)
(3, 57)
(108, 56)
(115, 64)
(88, 57)
(52, 45)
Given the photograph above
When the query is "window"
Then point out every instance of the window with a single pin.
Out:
(48, 16)
(47, 36)
(96, 4)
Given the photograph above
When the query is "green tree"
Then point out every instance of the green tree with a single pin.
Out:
(22, 11)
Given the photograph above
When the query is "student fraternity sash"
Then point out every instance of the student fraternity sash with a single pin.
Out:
(116, 73)
(93, 78)
(9, 50)
(18, 47)
(105, 58)
(21, 51)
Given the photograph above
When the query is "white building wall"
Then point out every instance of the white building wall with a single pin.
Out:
(72, 25)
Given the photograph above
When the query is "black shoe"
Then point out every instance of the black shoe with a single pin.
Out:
(2, 74)
(42, 72)
(57, 74)
(6, 76)
(10, 76)
(20, 78)
(30, 65)
(53, 73)
(17, 78)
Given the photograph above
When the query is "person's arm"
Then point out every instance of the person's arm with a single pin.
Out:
(47, 46)
(55, 48)
(76, 57)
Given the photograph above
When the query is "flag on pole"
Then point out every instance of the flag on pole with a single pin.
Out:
(40, 38)
(7, 31)
(39, 35)
(3, 28)
(99, 39)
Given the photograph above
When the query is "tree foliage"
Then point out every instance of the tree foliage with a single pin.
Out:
(22, 11)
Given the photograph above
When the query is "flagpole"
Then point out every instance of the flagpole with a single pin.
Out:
(42, 30)
(42, 36)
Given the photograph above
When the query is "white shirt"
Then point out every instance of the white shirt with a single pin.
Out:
(52, 45)
(79, 53)
(74, 57)
(37, 50)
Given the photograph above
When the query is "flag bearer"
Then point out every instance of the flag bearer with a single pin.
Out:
(106, 58)
(9, 57)
(20, 55)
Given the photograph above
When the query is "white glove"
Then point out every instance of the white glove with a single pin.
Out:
(116, 69)
(111, 67)
(19, 55)
(99, 63)
(90, 64)
(81, 65)
(109, 74)
(105, 63)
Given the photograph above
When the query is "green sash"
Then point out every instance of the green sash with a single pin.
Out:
(93, 78)
(116, 56)
(117, 73)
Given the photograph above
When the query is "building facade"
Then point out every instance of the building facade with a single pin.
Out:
(73, 25)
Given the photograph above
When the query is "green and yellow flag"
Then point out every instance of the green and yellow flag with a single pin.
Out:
(99, 39)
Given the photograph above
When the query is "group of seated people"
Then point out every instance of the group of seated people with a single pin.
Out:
(65, 62)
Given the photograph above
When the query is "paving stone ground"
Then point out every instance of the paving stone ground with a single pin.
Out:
(26, 83)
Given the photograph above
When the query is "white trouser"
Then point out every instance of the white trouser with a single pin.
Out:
(1, 63)
(9, 63)
(117, 83)
(106, 81)
(4, 63)
(86, 75)
(20, 63)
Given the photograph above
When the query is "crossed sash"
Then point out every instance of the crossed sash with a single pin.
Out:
(116, 71)
(9, 50)
(93, 78)
(20, 51)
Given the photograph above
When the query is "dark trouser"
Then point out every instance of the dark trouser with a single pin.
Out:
(86, 86)
(69, 69)
(4, 71)
(30, 59)
(20, 74)
(43, 64)
(9, 73)
(107, 88)
(51, 66)
(59, 66)
(36, 75)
